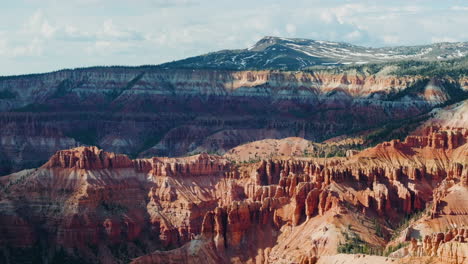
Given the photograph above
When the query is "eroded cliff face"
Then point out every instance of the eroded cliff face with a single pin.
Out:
(106, 207)
(149, 112)
(298, 210)
(450, 246)
(440, 234)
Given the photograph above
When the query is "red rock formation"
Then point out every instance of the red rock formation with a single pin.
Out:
(193, 252)
(198, 165)
(245, 211)
(450, 246)
(92, 158)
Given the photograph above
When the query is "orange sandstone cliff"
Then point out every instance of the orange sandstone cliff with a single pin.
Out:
(403, 199)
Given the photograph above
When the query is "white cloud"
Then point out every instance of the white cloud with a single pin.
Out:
(3, 44)
(38, 24)
(344, 12)
(111, 31)
(171, 3)
(413, 8)
(327, 17)
(291, 29)
(90, 32)
(391, 39)
(353, 35)
(27, 41)
(33, 48)
(109, 48)
(72, 33)
(459, 8)
(443, 39)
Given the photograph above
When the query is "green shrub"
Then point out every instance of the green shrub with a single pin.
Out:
(392, 249)
(113, 208)
(355, 245)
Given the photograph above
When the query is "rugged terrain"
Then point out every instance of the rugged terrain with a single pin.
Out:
(247, 156)
(144, 112)
(298, 54)
(213, 103)
(405, 199)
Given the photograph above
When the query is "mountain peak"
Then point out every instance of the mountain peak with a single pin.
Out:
(264, 43)
(273, 52)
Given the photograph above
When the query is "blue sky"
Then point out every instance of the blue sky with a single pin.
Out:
(46, 35)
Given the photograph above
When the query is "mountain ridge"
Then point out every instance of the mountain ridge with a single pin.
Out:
(299, 53)
(177, 112)
(260, 46)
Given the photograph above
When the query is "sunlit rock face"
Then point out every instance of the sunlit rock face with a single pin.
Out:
(145, 112)
(90, 202)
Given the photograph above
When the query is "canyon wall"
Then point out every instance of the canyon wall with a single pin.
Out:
(106, 207)
(150, 111)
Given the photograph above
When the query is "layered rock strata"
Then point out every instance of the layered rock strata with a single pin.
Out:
(152, 111)
(93, 201)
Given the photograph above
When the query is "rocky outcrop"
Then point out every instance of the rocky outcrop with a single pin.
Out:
(85, 198)
(88, 158)
(196, 251)
(449, 246)
(453, 252)
(92, 158)
(229, 226)
(198, 165)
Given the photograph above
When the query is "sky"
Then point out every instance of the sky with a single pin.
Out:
(47, 35)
